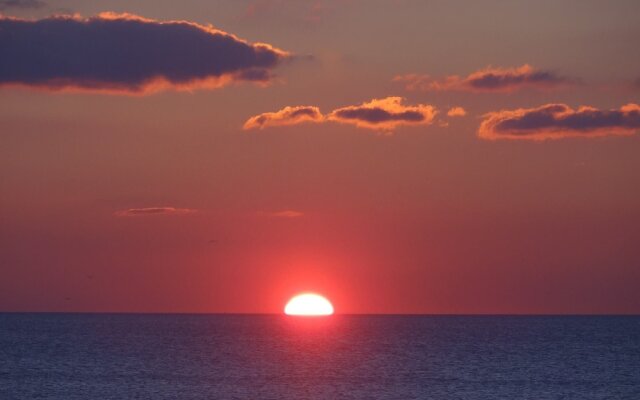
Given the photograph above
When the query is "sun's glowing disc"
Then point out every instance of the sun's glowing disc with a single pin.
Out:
(308, 304)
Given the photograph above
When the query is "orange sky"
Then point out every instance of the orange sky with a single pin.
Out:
(311, 146)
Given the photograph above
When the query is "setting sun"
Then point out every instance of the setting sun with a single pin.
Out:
(308, 304)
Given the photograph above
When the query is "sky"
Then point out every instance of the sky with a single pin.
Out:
(397, 156)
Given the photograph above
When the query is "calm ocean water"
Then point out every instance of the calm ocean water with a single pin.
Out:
(98, 356)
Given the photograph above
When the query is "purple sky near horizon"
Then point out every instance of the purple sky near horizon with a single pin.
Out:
(131, 200)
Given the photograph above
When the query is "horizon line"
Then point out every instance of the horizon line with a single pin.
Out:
(248, 314)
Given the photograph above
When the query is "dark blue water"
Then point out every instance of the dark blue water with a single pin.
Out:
(65, 356)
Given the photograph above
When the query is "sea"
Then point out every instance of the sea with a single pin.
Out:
(161, 356)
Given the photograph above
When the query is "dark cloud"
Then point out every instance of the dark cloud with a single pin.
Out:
(125, 53)
(286, 116)
(384, 114)
(151, 211)
(377, 115)
(23, 4)
(488, 80)
(556, 121)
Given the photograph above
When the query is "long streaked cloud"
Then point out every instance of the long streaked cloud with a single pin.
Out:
(557, 121)
(488, 80)
(378, 114)
(286, 116)
(153, 211)
(384, 114)
(281, 214)
(124, 53)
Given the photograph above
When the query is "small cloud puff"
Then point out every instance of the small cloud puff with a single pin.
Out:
(488, 80)
(557, 121)
(127, 54)
(456, 112)
(286, 116)
(151, 211)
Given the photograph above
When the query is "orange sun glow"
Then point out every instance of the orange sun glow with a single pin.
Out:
(308, 304)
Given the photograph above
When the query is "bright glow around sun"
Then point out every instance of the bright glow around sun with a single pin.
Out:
(308, 304)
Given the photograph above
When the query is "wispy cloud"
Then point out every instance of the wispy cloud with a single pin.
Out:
(153, 211)
(124, 53)
(287, 116)
(281, 214)
(557, 121)
(488, 80)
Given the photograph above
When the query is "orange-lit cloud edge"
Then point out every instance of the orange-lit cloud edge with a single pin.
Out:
(290, 115)
(550, 121)
(383, 115)
(558, 121)
(154, 82)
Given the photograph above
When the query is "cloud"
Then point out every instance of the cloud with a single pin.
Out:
(151, 211)
(488, 80)
(384, 114)
(286, 116)
(124, 53)
(23, 4)
(556, 121)
(456, 112)
(378, 114)
(281, 214)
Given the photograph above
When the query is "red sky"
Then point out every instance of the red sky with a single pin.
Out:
(223, 156)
